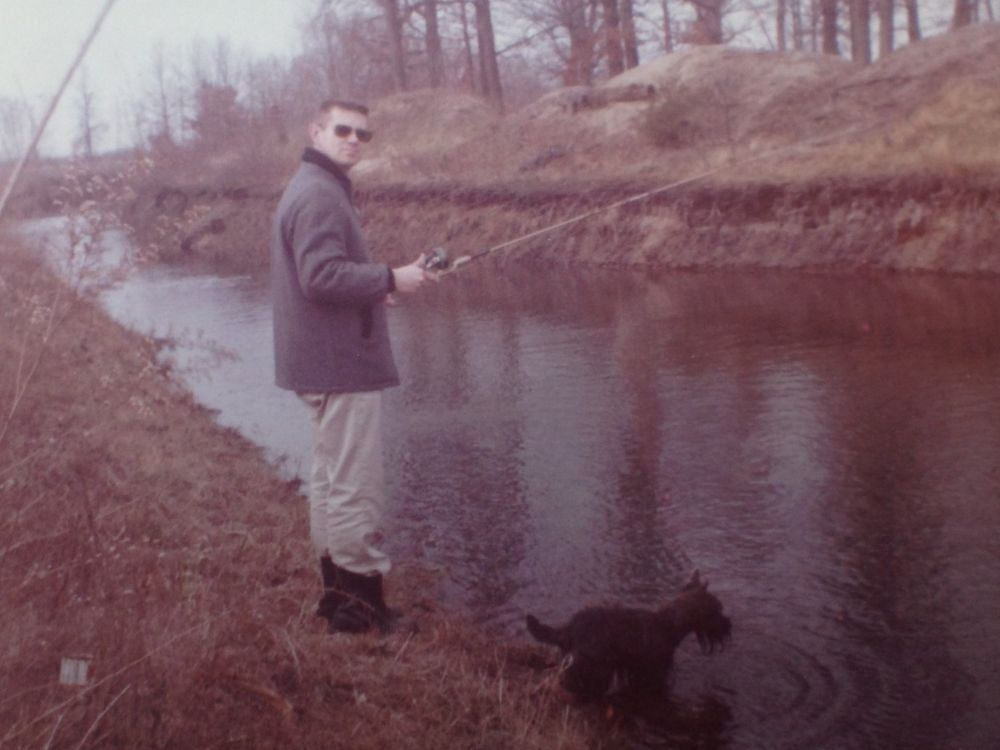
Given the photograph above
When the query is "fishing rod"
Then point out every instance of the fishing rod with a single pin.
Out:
(437, 259)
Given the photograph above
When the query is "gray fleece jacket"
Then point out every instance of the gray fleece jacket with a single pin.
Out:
(330, 330)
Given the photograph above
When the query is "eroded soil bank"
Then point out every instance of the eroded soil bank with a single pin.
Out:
(908, 223)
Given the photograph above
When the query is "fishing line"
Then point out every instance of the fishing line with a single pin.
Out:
(437, 259)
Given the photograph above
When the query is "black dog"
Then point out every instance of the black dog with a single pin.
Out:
(634, 646)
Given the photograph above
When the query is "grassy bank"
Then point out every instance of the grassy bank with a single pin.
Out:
(141, 536)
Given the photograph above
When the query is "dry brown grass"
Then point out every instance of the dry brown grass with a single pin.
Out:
(140, 535)
(930, 106)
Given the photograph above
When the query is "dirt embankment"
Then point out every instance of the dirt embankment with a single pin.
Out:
(894, 223)
(911, 223)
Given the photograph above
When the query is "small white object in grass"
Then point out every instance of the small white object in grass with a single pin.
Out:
(73, 670)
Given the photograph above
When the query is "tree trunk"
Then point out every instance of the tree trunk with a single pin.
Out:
(964, 13)
(709, 20)
(913, 20)
(469, 74)
(861, 42)
(163, 103)
(435, 58)
(668, 32)
(828, 10)
(85, 122)
(394, 28)
(489, 69)
(629, 38)
(579, 26)
(798, 35)
(814, 26)
(329, 30)
(886, 27)
(613, 37)
(780, 13)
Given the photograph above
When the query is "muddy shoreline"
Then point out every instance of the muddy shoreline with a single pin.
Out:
(926, 223)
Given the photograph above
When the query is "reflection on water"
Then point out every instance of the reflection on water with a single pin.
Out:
(823, 449)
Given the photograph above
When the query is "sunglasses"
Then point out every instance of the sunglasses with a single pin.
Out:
(344, 131)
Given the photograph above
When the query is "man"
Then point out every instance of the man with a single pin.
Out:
(331, 345)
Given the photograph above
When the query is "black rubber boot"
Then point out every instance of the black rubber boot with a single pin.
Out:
(362, 606)
(332, 596)
(386, 619)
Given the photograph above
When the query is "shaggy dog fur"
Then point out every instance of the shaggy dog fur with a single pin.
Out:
(634, 647)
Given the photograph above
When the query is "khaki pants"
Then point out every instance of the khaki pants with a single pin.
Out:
(346, 485)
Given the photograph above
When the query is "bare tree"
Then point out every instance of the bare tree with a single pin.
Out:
(913, 20)
(435, 56)
(469, 76)
(964, 14)
(162, 101)
(269, 103)
(486, 43)
(861, 45)
(571, 27)
(828, 12)
(87, 128)
(886, 27)
(213, 61)
(579, 19)
(224, 64)
(15, 127)
(781, 13)
(707, 28)
(630, 40)
(668, 32)
(613, 37)
(798, 28)
(394, 31)
(217, 115)
(322, 31)
(792, 9)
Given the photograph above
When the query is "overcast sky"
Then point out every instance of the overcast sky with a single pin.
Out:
(40, 38)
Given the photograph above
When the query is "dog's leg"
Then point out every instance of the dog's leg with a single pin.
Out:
(588, 677)
(650, 678)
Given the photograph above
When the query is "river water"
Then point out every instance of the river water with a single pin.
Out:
(823, 449)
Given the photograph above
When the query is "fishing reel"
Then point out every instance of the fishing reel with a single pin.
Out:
(436, 260)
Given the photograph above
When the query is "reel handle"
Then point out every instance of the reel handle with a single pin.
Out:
(437, 260)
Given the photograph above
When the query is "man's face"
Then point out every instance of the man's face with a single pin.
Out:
(343, 149)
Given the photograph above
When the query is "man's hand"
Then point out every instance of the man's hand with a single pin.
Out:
(410, 278)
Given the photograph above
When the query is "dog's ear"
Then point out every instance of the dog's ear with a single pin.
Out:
(696, 582)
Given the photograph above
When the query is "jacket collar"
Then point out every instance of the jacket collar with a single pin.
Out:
(321, 160)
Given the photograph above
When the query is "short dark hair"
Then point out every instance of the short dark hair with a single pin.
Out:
(325, 107)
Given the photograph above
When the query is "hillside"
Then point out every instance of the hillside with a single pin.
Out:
(758, 159)
(931, 105)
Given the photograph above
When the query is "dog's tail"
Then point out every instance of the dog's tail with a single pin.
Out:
(546, 633)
